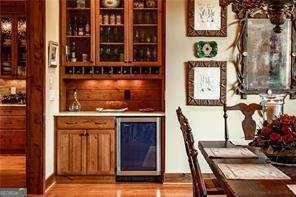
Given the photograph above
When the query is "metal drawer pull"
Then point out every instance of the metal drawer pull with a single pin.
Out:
(100, 123)
(71, 123)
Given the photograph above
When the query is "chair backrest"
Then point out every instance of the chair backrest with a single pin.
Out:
(248, 124)
(199, 188)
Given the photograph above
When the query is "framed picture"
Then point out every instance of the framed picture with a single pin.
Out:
(267, 59)
(206, 83)
(53, 54)
(206, 19)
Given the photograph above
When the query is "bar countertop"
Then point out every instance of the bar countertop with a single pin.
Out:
(125, 113)
(12, 105)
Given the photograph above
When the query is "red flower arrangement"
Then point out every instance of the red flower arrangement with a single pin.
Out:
(278, 136)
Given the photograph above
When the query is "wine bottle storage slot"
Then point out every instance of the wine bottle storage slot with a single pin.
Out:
(111, 70)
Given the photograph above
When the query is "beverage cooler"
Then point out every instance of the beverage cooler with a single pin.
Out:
(138, 146)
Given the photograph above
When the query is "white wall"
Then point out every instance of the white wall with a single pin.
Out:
(52, 84)
(206, 122)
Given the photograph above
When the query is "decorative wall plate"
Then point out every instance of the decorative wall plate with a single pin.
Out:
(207, 49)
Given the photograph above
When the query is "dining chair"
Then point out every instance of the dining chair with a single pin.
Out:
(199, 187)
(248, 124)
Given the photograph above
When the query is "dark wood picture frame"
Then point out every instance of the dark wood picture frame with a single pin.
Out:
(191, 32)
(190, 100)
(241, 87)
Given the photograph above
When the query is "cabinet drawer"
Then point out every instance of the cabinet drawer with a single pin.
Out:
(85, 122)
(12, 140)
(15, 110)
(13, 122)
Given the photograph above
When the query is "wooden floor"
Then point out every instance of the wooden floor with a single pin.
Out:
(120, 190)
(12, 174)
(12, 171)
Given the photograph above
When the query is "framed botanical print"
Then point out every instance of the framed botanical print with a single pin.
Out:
(205, 18)
(205, 83)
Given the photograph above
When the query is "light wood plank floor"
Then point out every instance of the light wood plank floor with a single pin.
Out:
(12, 170)
(120, 190)
(12, 174)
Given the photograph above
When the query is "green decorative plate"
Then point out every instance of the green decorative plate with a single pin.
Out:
(205, 49)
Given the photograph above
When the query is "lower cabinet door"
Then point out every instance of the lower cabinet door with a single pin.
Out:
(71, 152)
(100, 152)
(12, 141)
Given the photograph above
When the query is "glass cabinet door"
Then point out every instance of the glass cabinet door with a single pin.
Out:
(21, 46)
(6, 46)
(146, 31)
(78, 33)
(112, 32)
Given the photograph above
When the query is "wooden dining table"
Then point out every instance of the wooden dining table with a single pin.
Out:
(244, 187)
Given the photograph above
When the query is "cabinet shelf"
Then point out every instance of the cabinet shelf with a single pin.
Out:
(145, 9)
(111, 8)
(109, 25)
(145, 25)
(88, 36)
(111, 43)
(145, 43)
(80, 9)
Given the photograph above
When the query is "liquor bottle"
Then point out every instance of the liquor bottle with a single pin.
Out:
(116, 35)
(67, 53)
(148, 54)
(73, 52)
(137, 36)
(87, 27)
(154, 54)
(81, 27)
(70, 28)
(75, 27)
(103, 34)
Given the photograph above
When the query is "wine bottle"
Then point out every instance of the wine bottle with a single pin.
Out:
(87, 27)
(73, 52)
(70, 28)
(81, 27)
(75, 27)
(115, 35)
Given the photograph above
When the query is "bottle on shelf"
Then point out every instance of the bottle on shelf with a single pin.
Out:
(81, 27)
(70, 28)
(75, 27)
(73, 52)
(68, 55)
(87, 27)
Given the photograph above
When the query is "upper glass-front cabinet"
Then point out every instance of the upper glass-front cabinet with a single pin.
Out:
(146, 31)
(77, 32)
(111, 33)
(6, 46)
(21, 46)
(13, 50)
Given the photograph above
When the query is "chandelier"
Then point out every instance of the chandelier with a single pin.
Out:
(276, 10)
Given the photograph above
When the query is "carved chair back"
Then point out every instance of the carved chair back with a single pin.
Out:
(248, 124)
(199, 188)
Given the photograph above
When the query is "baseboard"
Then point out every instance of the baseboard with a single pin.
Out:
(186, 178)
(49, 182)
(85, 179)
